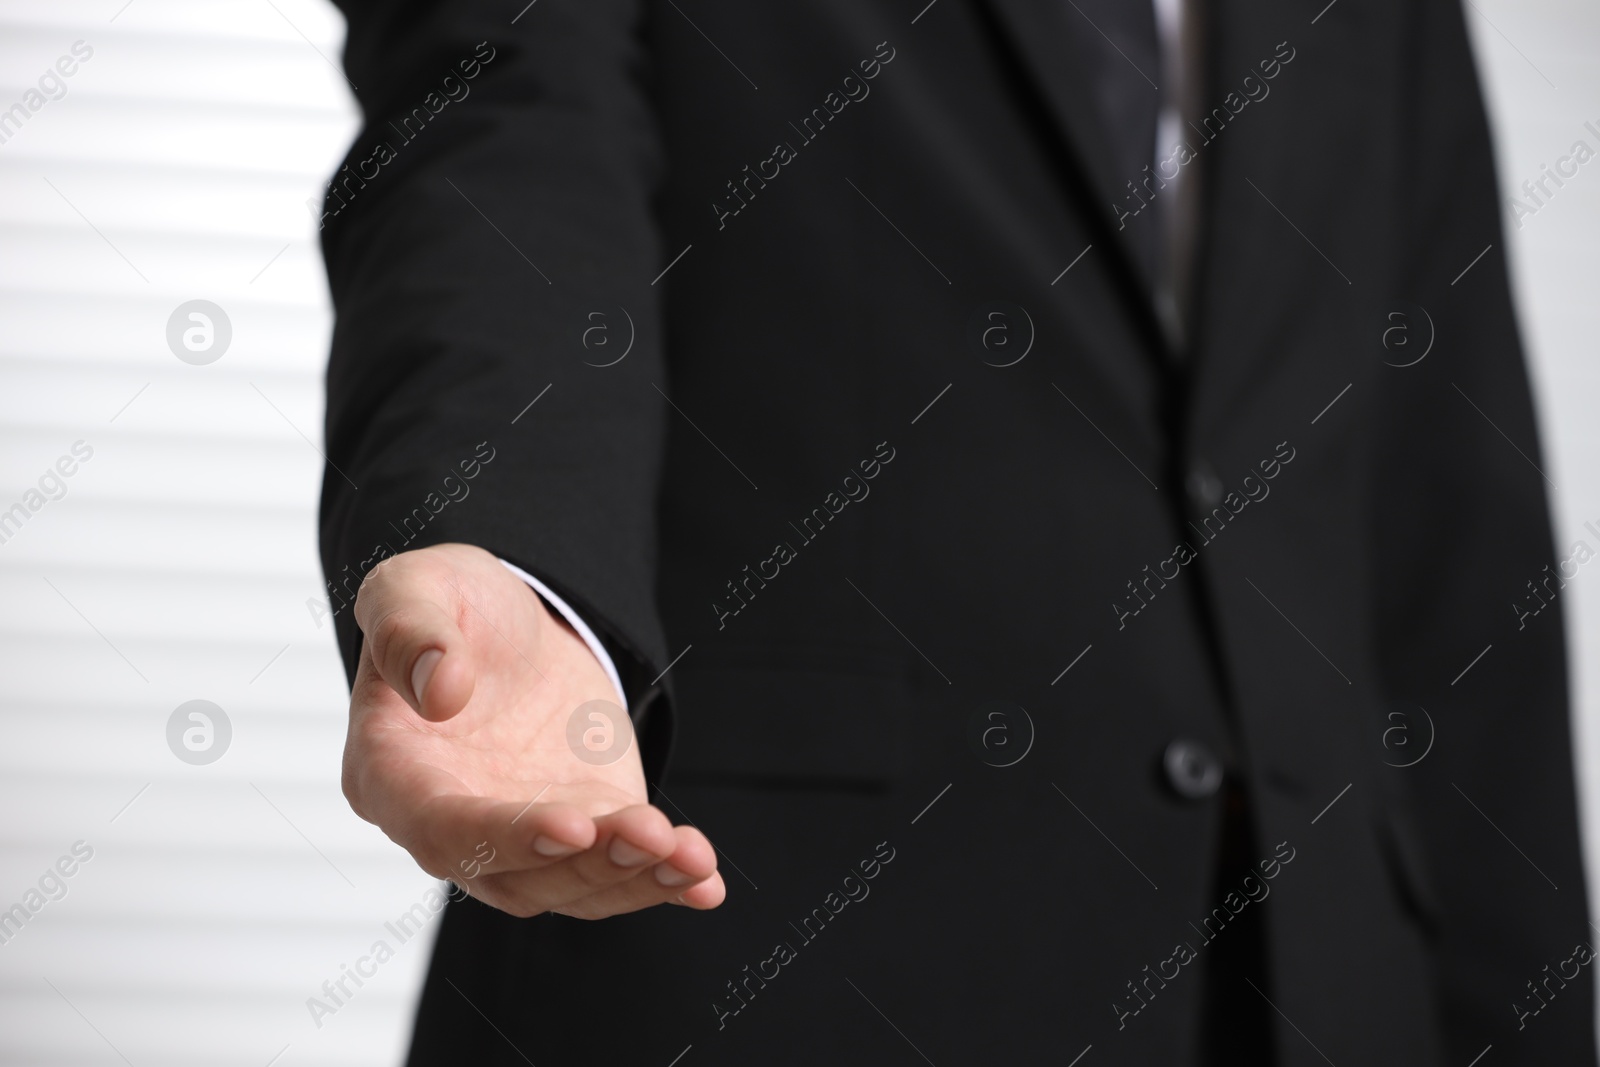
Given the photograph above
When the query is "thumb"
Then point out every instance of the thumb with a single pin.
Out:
(408, 618)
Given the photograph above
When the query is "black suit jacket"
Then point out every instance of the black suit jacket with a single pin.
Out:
(801, 347)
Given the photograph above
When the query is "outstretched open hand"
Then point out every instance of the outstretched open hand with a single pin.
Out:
(458, 748)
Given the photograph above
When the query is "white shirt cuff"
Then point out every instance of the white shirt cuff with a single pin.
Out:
(577, 623)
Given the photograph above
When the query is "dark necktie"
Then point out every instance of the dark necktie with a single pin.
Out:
(1121, 57)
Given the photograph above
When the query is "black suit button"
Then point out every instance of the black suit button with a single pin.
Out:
(1203, 486)
(1192, 770)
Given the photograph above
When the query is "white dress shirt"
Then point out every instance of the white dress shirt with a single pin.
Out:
(576, 620)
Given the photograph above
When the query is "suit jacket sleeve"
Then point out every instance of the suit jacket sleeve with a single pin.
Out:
(1460, 527)
(494, 208)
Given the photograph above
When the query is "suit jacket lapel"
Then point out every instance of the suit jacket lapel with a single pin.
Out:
(1042, 33)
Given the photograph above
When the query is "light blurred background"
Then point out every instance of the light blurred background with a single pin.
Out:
(180, 563)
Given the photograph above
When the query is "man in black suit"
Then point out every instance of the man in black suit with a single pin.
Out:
(1045, 479)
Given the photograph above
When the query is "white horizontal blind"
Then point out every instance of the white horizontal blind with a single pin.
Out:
(175, 562)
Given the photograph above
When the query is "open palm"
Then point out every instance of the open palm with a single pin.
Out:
(459, 748)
